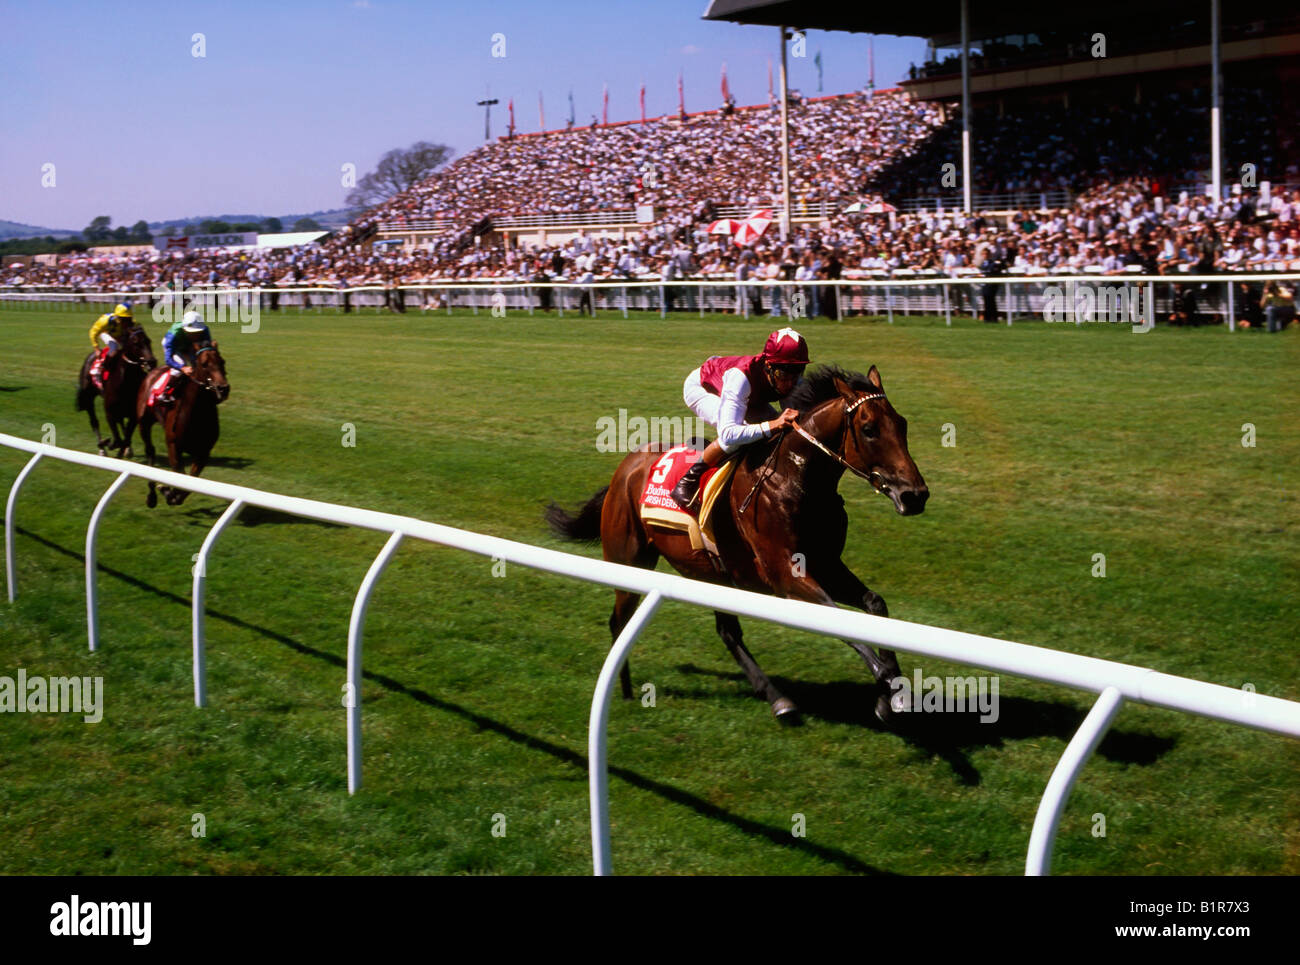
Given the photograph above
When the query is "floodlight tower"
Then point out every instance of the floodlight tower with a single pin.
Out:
(486, 103)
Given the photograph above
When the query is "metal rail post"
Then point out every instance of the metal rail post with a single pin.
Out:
(197, 624)
(355, 625)
(11, 577)
(1077, 752)
(92, 584)
(598, 776)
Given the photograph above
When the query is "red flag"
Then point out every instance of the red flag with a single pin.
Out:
(541, 114)
(604, 110)
(643, 103)
(726, 94)
(511, 105)
(681, 96)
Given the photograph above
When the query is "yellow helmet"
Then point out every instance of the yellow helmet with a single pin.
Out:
(122, 311)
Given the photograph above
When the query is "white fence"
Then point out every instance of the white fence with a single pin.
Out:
(1114, 682)
(901, 292)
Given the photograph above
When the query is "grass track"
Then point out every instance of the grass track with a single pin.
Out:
(1070, 442)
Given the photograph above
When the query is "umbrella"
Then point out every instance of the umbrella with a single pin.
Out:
(881, 207)
(855, 207)
(752, 228)
(726, 226)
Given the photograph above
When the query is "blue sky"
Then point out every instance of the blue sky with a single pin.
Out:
(138, 127)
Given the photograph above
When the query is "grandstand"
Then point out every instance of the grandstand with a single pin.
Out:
(1101, 170)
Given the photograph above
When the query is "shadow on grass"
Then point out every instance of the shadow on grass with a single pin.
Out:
(950, 736)
(776, 835)
(12, 388)
(257, 516)
(230, 462)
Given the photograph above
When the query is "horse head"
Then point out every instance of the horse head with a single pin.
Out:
(138, 350)
(210, 371)
(853, 415)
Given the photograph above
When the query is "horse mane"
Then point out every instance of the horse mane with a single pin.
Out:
(818, 386)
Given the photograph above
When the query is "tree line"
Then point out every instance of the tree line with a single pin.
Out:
(100, 233)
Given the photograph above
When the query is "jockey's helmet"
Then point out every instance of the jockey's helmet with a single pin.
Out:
(193, 322)
(123, 311)
(785, 347)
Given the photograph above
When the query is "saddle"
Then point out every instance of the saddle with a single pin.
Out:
(658, 508)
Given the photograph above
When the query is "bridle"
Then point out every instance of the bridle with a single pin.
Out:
(769, 464)
(207, 384)
(126, 341)
(849, 408)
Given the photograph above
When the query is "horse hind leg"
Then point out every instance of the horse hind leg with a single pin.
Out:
(146, 435)
(728, 624)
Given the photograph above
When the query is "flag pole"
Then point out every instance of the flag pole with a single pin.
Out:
(785, 144)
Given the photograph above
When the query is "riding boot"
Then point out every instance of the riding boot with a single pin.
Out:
(688, 487)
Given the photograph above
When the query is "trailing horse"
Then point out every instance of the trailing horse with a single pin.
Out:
(781, 526)
(189, 423)
(122, 376)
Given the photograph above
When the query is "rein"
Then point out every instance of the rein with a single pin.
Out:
(848, 411)
(768, 464)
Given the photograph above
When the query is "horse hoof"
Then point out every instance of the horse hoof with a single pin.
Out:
(127, 453)
(890, 706)
(151, 500)
(103, 451)
(783, 708)
(898, 702)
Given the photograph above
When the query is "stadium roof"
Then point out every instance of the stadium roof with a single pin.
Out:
(941, 19)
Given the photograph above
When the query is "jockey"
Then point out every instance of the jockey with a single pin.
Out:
(108, 332)
(733, 393)
(178, 351)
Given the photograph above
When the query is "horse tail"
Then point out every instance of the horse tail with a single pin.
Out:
(583, 527)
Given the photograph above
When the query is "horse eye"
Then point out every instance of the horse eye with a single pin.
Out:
(868, 430)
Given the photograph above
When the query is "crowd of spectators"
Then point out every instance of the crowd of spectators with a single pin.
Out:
(842, 149)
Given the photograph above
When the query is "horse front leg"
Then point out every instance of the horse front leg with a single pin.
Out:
(200, 462)
(126, 452)
(845, 587)
(837, 589)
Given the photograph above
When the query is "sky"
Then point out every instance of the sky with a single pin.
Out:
(135, 125)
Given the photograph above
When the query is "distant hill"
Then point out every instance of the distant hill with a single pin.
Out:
(335, 218)
(12, 229)
(331, 220)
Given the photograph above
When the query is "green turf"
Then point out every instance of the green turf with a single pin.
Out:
(1069, 442)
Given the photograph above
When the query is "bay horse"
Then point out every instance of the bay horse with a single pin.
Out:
(781, 527)
(190, 423)
(122, 376)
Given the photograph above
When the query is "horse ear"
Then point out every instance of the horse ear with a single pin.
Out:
(873, 376)
(844, 388)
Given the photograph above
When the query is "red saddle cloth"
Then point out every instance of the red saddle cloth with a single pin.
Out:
(156, 390)
(670, 468)
(97, 372)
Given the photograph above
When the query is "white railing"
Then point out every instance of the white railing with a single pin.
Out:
(902, 291)
(1114, 682)
(417, 224)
